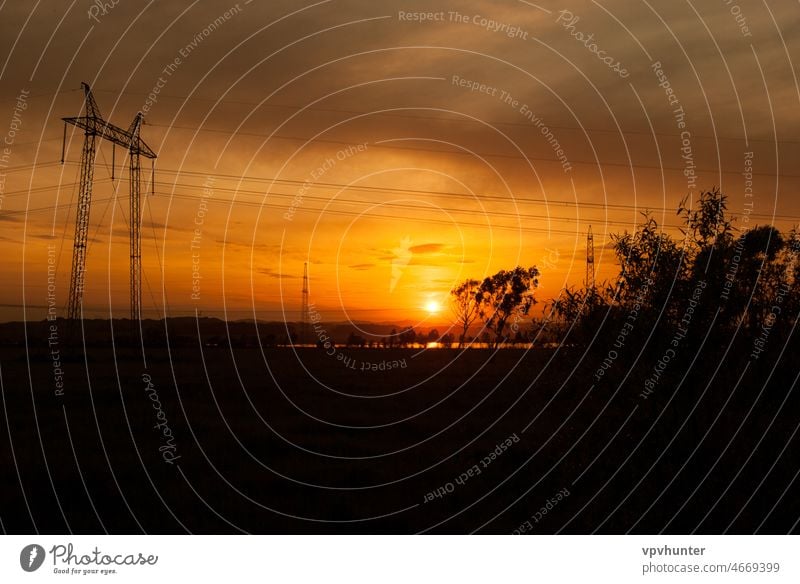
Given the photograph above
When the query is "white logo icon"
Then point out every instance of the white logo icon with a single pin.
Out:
(31, 557)
(402, 255)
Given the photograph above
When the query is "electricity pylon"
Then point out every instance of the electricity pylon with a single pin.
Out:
(94, 126)
(134, 173)
(589, 280)
(304, 316)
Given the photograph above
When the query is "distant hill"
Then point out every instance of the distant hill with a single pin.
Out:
(184, 330)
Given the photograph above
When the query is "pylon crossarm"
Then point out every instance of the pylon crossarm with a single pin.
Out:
(112, 133)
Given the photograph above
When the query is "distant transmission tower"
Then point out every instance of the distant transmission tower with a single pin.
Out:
(94, 126)
(304, 316)
(589, 281)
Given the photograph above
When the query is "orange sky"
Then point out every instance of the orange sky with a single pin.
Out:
(346, 137)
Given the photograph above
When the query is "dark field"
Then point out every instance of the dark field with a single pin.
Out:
(294, 440)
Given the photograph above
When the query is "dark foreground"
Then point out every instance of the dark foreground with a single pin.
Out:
(213, 439)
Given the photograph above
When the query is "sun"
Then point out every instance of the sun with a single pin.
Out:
(432, 307)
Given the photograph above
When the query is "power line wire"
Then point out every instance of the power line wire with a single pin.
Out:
(481, 198)
(462, 120)
(382, 144)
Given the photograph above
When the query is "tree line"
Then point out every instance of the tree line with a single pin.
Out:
(717, 278)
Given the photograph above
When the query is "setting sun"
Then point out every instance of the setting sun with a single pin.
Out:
(432, 307)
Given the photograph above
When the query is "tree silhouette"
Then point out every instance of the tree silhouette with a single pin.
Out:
(736, 285)
(760, 274)
(407, 336)
(354, 340)
(651, 263)
(465, 305)
(707, 224)
(585, 309)
(503, 294)
(729, 286)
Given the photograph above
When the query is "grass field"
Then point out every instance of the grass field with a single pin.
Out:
(297, 440)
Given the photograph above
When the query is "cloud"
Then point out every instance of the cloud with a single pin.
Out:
(270, 273)
(427, 248)
(362, 266)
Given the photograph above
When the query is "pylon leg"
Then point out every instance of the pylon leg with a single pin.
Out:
(136, 240)
(304, 316)
(75, 302)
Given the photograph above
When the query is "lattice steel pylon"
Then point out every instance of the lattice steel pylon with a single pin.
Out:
(304, 316)
(589, 279)
(82, 222)
(94, 126)
(134, 174)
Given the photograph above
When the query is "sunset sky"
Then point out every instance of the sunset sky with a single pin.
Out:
(395, 155)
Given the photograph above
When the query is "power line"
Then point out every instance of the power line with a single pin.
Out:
(400, 206)
(403, 206)
(450, 120)
(481, 197)
(308, 209)
(383, 145)
(326, 185)
(12, 169)
(56, 187)
(592, 163)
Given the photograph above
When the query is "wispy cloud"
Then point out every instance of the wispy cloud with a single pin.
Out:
(270, 273)
(427, 248)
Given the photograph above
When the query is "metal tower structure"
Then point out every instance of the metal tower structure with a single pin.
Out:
(304, 317)
(589, 280)
(92, 120)
(134, 174)
(94, 126)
